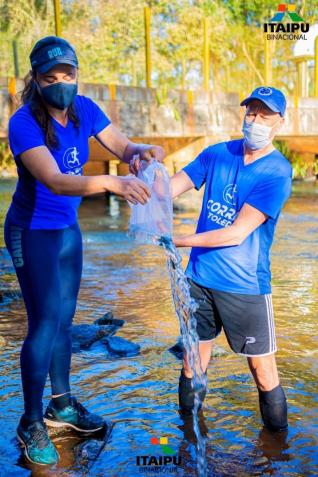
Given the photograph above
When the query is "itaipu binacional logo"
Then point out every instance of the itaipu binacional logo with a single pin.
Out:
(165, 462)
(294, 29)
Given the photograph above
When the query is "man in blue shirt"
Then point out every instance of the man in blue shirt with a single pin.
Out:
(247, 182)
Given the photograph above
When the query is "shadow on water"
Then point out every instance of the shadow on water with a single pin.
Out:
(139, 394)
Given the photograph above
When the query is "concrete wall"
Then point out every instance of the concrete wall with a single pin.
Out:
(142, 112)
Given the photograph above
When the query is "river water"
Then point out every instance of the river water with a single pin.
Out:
(139, 394)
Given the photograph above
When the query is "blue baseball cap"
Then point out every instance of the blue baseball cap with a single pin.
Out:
(51, 51)
(273, 98)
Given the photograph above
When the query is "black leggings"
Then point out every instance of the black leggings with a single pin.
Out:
(48, 264)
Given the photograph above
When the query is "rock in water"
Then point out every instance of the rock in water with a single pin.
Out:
(108, 319)
(119, 347)
(177, 350)
(88, 451)
(83, 336)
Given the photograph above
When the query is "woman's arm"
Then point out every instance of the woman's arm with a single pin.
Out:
(117, 143)
(42, 165)
(246, 222)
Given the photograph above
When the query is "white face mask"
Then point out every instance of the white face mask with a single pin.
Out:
(257, 136)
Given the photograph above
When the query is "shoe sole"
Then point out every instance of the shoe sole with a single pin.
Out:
(50, 423)
(25, 452)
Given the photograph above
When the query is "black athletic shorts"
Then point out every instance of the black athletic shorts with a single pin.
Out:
(247, 320)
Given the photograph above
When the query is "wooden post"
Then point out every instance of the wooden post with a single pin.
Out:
(148, 46)
(316, 68)
(206, 55)
(133, 71)
(267, 63)
(183, 72)
(15, 59)
(57, 16)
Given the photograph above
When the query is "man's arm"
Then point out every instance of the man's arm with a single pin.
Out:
(246, 222)
(180, 183)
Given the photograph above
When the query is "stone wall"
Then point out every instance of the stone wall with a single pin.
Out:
(141, 112)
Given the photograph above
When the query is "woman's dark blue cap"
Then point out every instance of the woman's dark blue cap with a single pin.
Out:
(51, 51)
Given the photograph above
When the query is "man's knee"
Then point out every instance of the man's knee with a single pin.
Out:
(273, 407)
(264, 371)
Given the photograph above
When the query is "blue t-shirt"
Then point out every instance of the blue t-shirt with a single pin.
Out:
(34, 206)
(264, 184)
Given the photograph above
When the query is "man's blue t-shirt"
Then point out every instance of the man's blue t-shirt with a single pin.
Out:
(34, 206)
(264, 184)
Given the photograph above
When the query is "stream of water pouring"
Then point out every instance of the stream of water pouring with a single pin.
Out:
(185, 307)
(152, 223)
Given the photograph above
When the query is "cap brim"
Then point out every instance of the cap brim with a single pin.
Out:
(47, 66)
(267, 103)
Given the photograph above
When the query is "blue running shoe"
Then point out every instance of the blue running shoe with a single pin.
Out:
(75, 416)
(38, 447)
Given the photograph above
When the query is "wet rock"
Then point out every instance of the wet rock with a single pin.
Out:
(84, 335)
(177, 350)
(108, 319)
(2, 342)
(107, 330)
(88, 451)
(98, 348)
(118, 347)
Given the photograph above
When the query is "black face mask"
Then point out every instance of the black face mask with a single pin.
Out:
(59, 95)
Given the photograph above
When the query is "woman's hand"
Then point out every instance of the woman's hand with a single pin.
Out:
(128, 187)
(146, 153)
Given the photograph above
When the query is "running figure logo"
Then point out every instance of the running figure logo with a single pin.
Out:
(70, 158)
(230, 193)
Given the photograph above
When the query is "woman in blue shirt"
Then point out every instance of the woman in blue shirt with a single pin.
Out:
(48, 136)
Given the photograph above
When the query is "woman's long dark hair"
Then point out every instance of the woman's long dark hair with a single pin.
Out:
(31, 96)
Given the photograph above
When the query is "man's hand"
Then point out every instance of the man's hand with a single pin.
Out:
(145, 153)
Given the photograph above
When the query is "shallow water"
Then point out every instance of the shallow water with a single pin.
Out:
(139, 394)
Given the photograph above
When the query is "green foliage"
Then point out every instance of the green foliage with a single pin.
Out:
(6, 159)
(163, 99)
(315, 166)
(109, 38)
(299, 165)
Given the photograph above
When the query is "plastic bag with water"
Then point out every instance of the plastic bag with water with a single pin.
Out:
(152, 221)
